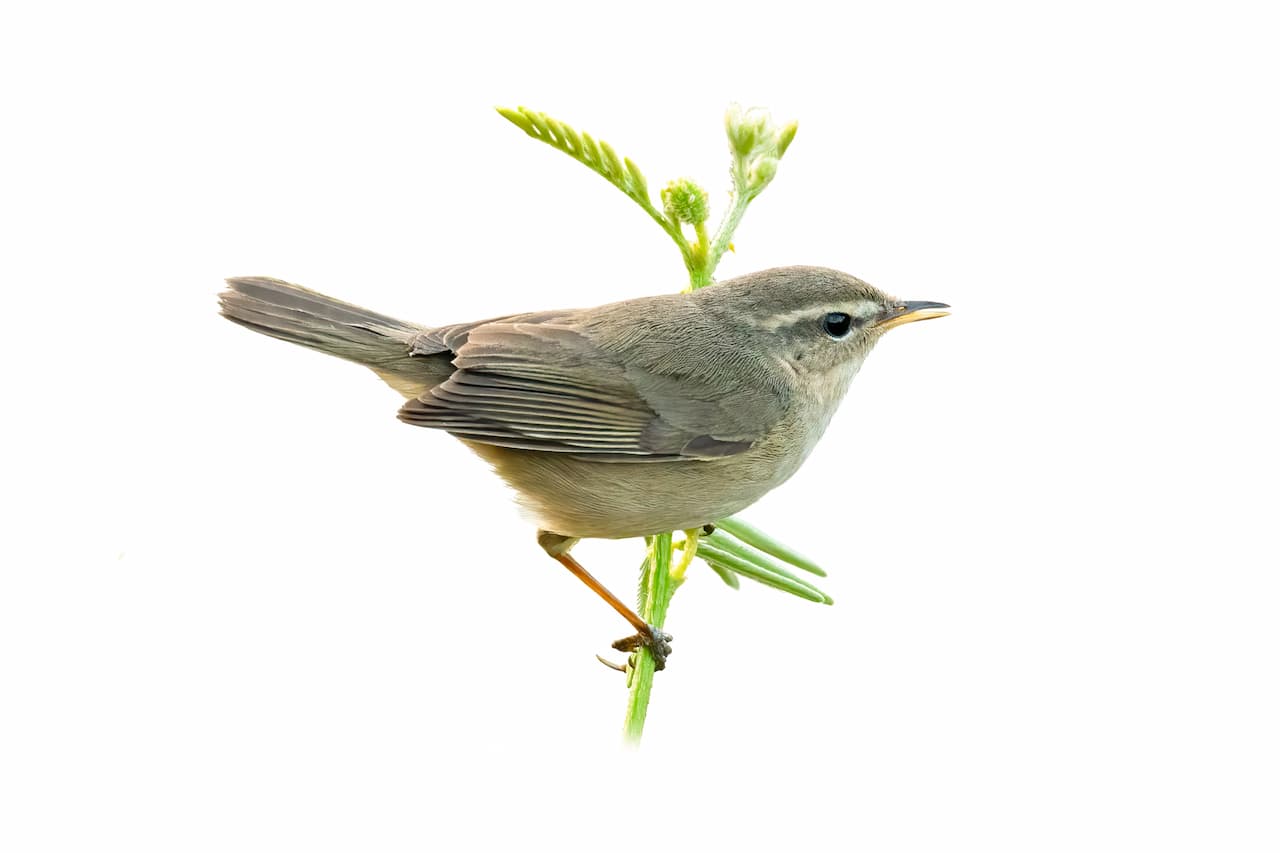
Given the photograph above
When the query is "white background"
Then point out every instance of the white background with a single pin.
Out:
(242, 607)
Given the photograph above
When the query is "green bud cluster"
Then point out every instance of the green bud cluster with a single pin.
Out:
(684, 201)
(757, 145)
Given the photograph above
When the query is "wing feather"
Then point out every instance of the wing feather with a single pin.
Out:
(535, 382)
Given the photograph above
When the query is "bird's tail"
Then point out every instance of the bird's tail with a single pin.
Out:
(301, 316)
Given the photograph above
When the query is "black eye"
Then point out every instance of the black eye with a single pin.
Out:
(837, 325)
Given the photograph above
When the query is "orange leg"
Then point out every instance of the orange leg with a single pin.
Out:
(658, 642)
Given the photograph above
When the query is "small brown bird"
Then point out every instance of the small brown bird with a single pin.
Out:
(630, 419)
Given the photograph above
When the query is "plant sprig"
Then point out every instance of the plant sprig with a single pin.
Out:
(756, 146)
(735, 549)
(599, 157)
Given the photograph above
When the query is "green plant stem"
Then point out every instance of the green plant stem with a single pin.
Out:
(657, 588)
(673, 230)
(724, 234)
(656, 584)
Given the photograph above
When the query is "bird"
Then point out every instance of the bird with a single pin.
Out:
(634, 418)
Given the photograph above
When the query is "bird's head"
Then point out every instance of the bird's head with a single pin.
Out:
(818, 321)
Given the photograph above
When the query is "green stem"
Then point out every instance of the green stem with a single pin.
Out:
(672, 229)
(657, 585)
(657, 588)
(724, 234)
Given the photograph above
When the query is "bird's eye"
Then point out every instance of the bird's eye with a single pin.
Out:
(837, 324)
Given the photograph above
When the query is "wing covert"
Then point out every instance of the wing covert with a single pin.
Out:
(545, 386)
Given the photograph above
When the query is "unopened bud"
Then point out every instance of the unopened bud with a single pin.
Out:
(685, 201)
(762, 171)
(742, 134)
(785, 136)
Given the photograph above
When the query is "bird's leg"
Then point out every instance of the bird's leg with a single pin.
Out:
(658, 642)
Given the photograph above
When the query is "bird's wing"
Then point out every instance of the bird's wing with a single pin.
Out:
(544, 385)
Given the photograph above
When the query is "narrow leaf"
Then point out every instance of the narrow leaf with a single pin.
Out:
(642, 593)
(762, 575)
(590, 151)
(637, 179)
(564, 135)
(613, 165)
(755, 558)
(519, 120)
(759, 539)
(576, 138)
(726, 575)
(600, 157)
(771, 581)
(539, 121)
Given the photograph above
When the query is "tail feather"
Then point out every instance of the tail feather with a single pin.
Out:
(301, 316)
(282, 294)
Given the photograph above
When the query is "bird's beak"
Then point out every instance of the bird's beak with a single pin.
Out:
(901, 313)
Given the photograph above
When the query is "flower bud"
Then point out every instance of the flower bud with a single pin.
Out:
(757, 144)
(741, 132)
(785, 136)
(685, 201)
(762, 171)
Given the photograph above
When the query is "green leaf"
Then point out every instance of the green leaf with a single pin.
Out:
(539, 121)
(636, 180)
(570, 139)
(761, 574)
(726, 575)
(597, 156)
(519, 120)
(755, 558)
(590, 152)
(757, 538)
(612, 164)
(642, 592)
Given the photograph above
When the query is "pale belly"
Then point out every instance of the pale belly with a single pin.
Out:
(616, 500)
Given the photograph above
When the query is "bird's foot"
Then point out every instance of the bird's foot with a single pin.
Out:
(657, 642)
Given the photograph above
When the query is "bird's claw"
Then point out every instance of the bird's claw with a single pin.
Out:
(657, 642)
(618, 666)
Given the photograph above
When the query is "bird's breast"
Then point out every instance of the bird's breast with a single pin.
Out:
(584, 499)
